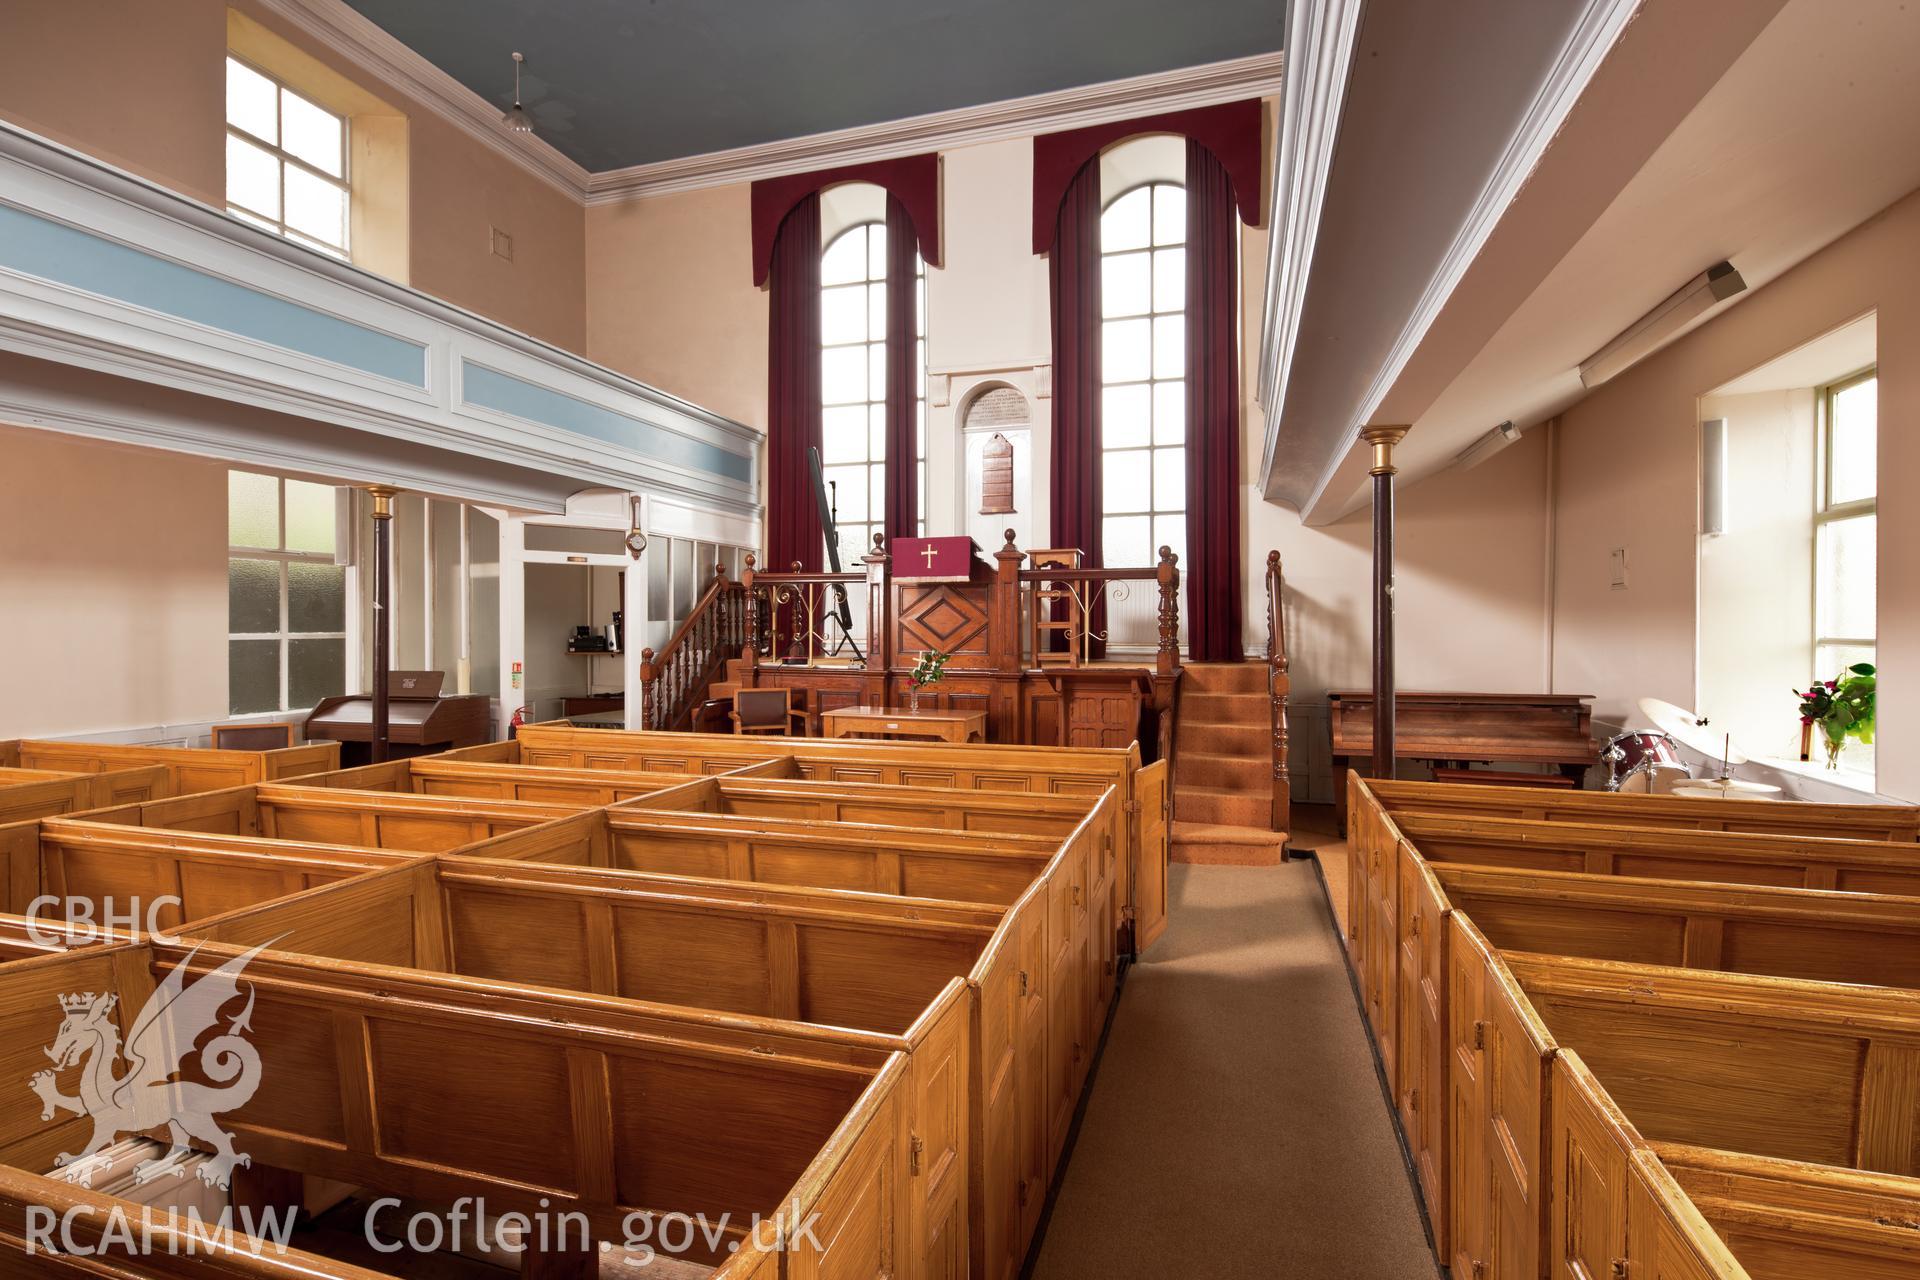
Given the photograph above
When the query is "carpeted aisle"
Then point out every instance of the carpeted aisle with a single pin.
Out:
(1236, 1125)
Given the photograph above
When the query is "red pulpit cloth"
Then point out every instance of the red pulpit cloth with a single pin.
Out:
(933, 559)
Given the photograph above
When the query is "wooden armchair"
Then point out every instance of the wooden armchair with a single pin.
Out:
(766, 711)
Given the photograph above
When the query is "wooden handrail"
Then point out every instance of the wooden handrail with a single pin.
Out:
(676, 677)
(1278, 684)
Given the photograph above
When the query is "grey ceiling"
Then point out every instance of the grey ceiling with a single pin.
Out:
(613, 83)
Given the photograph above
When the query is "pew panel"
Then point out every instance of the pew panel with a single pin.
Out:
(1422, 1020)
(1593, 1150)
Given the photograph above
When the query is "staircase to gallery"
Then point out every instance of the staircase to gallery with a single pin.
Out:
(1223, 767)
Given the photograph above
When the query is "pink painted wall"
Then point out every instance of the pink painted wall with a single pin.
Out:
(141, 84)
(1628, 476)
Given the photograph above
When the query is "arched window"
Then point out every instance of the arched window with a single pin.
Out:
(853, 383)
(1143, 411)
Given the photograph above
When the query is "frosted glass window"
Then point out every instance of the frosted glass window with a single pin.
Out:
(253, 510)
(286, 598)
(1853, 438)
(1846, 532)
(1845, 567)
(853, 383)
(286, 161)
(253, 595)
(310, 514)
(1143, 368)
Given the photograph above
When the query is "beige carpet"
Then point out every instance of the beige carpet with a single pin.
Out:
(1236, 1125)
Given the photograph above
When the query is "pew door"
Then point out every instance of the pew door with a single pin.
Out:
(1593, 1146)
(1667, 1238)
(1421, 1096)
(1152, 831)
(1501, 1059)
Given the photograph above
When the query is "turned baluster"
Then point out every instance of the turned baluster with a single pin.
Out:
(649, 688)
(1167, 659)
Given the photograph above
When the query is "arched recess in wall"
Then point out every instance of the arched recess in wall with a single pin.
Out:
(996, 408)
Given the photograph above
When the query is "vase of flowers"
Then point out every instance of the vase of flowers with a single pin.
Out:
(1840, 708)
(931, 668)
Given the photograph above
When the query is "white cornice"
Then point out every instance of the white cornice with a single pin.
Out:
(1599, 28)
(1203, 86)
(1322, 38)
(364, 44)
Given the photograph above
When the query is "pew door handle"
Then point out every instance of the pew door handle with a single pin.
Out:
(915, 1148)
(1023, 982)
(1619, 1269)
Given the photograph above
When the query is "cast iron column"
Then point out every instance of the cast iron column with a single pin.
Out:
(1383, 439)
(382, 592)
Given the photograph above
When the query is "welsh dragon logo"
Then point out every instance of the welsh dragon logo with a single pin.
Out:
(146, 1096)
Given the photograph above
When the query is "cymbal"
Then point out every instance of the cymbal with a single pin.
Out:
(1684, 727)
(1733, 788)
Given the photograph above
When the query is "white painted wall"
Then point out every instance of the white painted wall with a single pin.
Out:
(113, 586)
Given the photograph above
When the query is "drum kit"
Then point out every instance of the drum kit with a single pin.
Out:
(1649, 762)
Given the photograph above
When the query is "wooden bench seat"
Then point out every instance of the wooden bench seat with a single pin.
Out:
(1785, 1219)
(437, 1088)
(370, 819)
(188, 769)
(44, 793)
(1852, 821)
(180, 875)
(1142, 825)
(1784, 933)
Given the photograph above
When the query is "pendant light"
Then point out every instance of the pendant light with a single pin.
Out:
(517, 118)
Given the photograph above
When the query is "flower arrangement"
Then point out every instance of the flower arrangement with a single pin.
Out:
(931, 668)
(1843, 707)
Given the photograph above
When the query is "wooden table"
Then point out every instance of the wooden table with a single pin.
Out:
(885, 722)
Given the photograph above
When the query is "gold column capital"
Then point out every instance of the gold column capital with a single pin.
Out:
(1383, 439)
(382, 495)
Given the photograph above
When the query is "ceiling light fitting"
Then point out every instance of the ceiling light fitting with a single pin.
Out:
(1488, 445)
(516, 117)
(1662, 324)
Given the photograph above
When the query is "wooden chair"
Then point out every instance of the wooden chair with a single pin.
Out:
(270, 736)
(766, 711)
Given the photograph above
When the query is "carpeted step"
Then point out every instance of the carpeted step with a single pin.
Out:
(1224, 677)
(1223, 846)
(1224, 708)
(1221, 805)
(1230, 773)
(1222, 739)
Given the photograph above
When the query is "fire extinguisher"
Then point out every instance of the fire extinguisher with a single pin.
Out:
(514, 722)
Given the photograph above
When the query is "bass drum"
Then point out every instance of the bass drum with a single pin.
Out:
(1643, 763)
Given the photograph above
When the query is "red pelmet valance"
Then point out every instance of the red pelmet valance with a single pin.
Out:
(1231, 131)
(912, 180)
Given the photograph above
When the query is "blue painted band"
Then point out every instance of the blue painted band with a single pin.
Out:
(37, 246)
(490, 389)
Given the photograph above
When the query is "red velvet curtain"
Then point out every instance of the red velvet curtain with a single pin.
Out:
(1074, 485)
(903, 376)
(1211, 567)
(793, 391)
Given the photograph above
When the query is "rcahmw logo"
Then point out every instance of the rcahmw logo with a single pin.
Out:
(146, 1095)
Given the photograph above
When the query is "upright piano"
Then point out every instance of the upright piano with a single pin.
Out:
(1454, 728)
(420, 721)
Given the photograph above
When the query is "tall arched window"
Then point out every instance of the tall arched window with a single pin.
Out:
(1143, 411)
(853, 383)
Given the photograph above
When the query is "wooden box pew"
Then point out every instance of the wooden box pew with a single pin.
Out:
(26, 937)
(1618, 809)
(328, 815)
(827, 957)
(1616, 1209)
(432, 1087)
(1786, 1220)
(1821, 1072)
(189, 769)
(44, 793)
(168, 877)
(1816, 935)
(452, 774)
(1142, 829)
(1726, 857)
